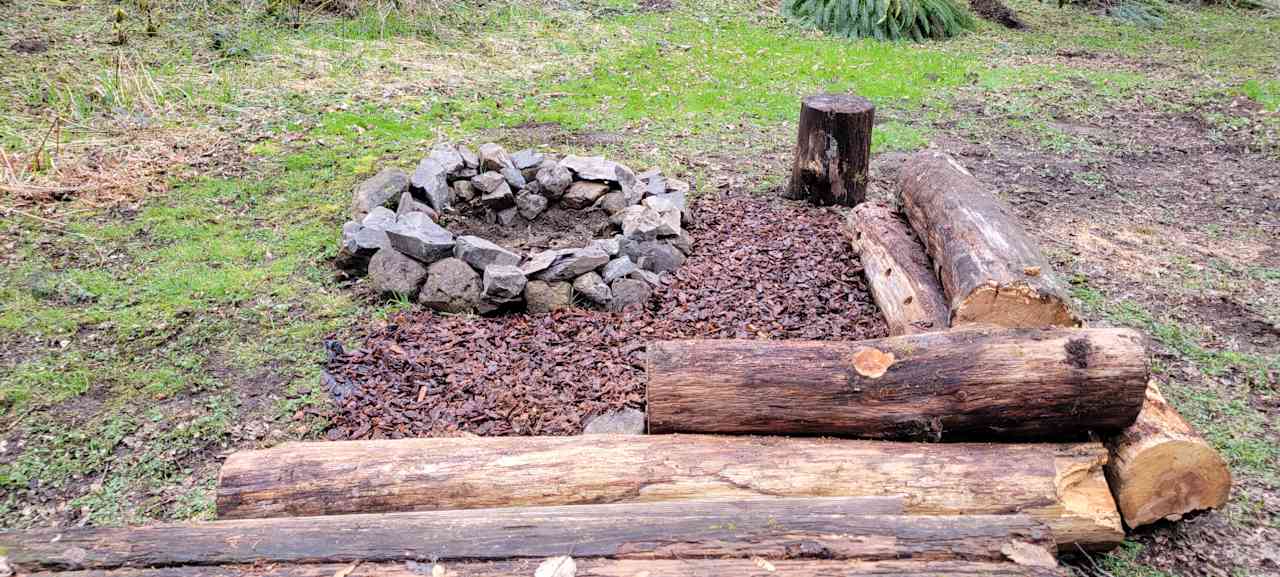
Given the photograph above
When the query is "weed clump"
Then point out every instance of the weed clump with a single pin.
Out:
(916, 20)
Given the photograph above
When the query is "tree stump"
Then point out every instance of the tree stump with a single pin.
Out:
(833, 150)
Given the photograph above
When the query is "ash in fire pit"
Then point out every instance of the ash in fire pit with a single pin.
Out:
(489, 231)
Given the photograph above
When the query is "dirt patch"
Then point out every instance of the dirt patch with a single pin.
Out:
(761, 269)
(555, 228)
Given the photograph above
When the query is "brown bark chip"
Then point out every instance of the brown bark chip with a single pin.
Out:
(761, 269)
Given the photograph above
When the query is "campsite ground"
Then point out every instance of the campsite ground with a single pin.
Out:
(171, 205)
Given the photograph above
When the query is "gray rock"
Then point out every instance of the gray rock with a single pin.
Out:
(582, 194)
(618, 268)
(505, 216)
(641, 223)
(358, 245)
(531, 205)
(430, 181)
(612, 203)
(514, 177)
(652, 279)
(447, 155)
(665, 202)
(494, 157)
(592, 167)
(526, 158)
(469, 157)
(482, 254)
(500, 198)
(544, 297)
(410, 204)
(541, 261)
(612, 246)
(630, 186)
(677, 185)
(654, 255)
(652, 181)
(503, 283)
(463, 190)
(555, 180)
(670, 223)
(465, 172)
(627, 421)
(649, 174)
(574, 263)
(377, 191)
(628, 292)
(488, 182)
(392, 273)
(683, 243)
(416, 235)
(452, 286)
(533, 187)
(590, 285)
(380, 218)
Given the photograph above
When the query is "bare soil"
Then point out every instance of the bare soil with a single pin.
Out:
(555, 228)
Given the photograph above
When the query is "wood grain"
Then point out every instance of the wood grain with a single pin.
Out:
(833, 150)
(990, 268)
(782, 528)
(1060, 485)
(1161, 468)
(589, 567)
(1005, 384)
(898, 271)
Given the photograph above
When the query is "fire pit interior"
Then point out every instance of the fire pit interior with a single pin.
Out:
(488, 231)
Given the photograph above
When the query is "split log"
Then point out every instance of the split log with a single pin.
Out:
(759, 567)
(898, 271)
(1161, 468)
(1059, 485)
(1000, 384)
(991, 270)
(833, 150)
(826, 528)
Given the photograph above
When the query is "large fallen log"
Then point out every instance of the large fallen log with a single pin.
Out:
(991, 270)
(1060, 485)
(1161, 468)
(823, 527)
(758, 567)
(902, 282)
(833, 150)
(1001, 384)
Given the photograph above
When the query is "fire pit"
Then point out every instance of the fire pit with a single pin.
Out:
(491, 231)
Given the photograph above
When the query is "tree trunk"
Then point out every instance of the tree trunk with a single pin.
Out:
(833, 150)
(595, 567)
(1060, 485)
(992, 271)
(1161, 468)
(898, 271)
(827, 528)
(1000, 385)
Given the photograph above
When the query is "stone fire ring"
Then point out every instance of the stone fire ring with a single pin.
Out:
(405, 253)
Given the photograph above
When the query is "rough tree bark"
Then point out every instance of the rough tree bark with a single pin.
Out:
(1161, 468)
(898, 271)
(992, 271)
(832, 528)
(1060, 485)
(833, 150)
(1004, 384)
(595, 567)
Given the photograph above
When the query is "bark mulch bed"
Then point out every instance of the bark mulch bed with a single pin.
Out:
(761, 269)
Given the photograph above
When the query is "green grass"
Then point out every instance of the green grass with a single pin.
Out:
(142, 337)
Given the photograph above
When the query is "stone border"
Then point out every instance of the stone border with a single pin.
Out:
(405, 253)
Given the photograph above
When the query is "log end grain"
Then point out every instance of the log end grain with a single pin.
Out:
(1161, 468)
(1014, 305)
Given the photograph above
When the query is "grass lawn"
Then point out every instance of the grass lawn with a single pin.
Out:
(171, 205)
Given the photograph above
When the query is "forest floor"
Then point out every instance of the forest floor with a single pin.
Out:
(171, 205)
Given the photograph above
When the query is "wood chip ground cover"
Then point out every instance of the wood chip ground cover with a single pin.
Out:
(762, 269)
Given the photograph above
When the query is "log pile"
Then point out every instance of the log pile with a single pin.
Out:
(985, 347)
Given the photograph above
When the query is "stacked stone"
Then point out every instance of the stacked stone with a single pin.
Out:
(407, 254)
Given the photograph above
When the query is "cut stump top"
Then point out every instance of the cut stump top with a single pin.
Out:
(838, 103)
